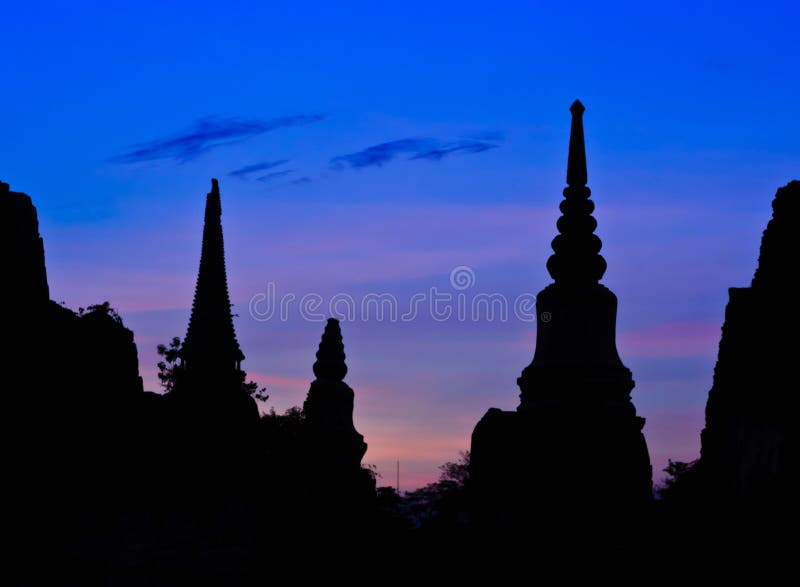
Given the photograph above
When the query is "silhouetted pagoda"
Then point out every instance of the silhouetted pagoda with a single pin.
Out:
(747, 454)
(575, 421)
(210, 357)
(338, 488)
(329, 408)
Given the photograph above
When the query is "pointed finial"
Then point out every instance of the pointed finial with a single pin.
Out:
(576, 259)
(576, 163)
(211, 337)
(330, 356)
(213, 201)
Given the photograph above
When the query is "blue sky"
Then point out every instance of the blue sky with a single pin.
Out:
(690, 128)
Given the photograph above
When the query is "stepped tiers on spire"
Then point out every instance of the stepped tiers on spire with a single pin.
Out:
(575, 420)
(576, 260)
(210, 346)
(748, 445)
(208, 390)
(576, 316)
(339, 489)
(329, 407)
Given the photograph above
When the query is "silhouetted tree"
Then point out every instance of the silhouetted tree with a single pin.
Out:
(253, 390)
(104, 308)
(679, 481)
(439, 504)
(282, 440)
(456, 471)
(371, 471)
(166, 367)
(392, 510)
(292, 418)
(283, 433)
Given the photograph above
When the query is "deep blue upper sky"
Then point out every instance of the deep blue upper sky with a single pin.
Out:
(396, 141)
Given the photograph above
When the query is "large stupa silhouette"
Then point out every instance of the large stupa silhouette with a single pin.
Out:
(575, 420)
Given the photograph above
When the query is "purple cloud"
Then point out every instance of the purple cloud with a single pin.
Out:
(247, 170)
(275, 175)
(440, 153)
(378, 155)
(207, 134)
(416, 148)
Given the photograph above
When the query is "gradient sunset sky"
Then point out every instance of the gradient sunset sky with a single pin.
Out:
(372, 147)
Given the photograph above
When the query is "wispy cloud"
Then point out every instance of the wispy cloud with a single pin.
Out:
(440, 153)
(301, 180)
(207, 134)
(275, 175)
(416, 148)
(378, 155)
(247, 170)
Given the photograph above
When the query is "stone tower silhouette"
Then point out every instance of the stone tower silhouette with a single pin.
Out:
(576, 350)
(329, 407)
(749, 448)
(210, 356)
(339, 489)
(22, 251)
(575, 421)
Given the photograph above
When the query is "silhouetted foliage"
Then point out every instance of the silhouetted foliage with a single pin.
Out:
(284, 430)
(387, 495)
(371, 471)
(680, 476)
(392, 509)
(292, 418)
(456, 471)
(104, 308)
(167, 366)
(253, 390)
(167, 370)
(438, 504)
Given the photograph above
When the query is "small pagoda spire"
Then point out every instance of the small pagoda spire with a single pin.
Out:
(210, 344)
(336, 447)
(576, 260)
(330, 356)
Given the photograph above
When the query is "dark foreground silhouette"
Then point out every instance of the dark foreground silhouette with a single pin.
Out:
(106, 483)
(575, 419)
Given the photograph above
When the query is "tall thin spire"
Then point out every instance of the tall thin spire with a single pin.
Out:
(575, 413)
(576, 162)
(210, 345)
(576, 261)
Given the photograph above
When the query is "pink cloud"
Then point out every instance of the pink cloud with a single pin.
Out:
(405, 413)
(672, 434)
(666, 340)
(671, 340)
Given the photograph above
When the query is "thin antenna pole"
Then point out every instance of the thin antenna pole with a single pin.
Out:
(398, 477)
